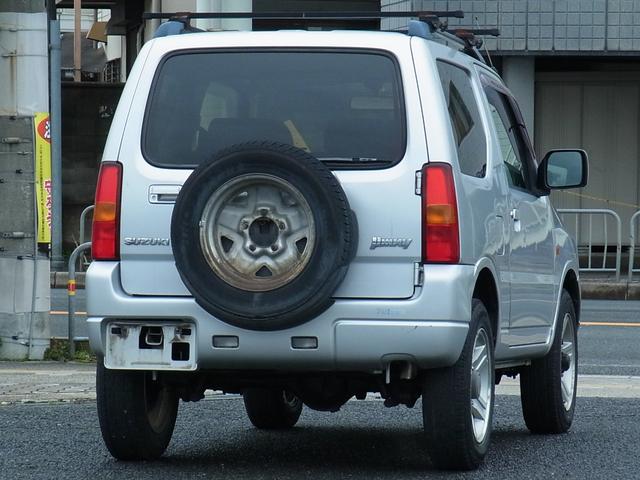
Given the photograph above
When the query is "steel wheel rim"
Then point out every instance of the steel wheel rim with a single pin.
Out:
(481, 387)
(568, 362)
(257, 232)
(157, 400)
(290, 399)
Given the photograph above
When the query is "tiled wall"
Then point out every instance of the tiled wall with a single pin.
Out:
(394, 6)
(548, 25)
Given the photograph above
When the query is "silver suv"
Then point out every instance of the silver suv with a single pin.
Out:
(305, 217)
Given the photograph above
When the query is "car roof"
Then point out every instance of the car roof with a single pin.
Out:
(285, 39)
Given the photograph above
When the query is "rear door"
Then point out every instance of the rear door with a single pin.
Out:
(346, 107)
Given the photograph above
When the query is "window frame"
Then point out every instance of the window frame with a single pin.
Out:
(525, 149)
(480, 124)
(336, 50)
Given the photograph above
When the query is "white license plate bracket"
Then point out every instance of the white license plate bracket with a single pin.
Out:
(150, 346)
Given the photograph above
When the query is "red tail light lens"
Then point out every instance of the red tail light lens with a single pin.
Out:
(440, 236)
(105, 238)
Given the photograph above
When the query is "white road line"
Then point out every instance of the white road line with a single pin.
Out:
(608, 386)
(610, 365)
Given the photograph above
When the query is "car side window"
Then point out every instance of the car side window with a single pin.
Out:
(512, 142)
(465, 119)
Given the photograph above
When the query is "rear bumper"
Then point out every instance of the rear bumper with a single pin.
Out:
(352, 335)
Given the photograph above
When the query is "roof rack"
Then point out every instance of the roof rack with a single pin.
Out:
(177, 25)
(306, 15)
(429, 24)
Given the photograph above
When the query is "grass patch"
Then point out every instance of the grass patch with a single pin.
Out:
(59, 351)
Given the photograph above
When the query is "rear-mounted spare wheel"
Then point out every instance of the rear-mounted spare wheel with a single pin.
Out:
(262, 235)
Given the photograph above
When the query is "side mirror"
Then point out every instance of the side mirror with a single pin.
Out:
(562, 169)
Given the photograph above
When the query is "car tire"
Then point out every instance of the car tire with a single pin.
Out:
(262, 235)
(136, 413)
(548, 385)
(271, 409)
(457, 402)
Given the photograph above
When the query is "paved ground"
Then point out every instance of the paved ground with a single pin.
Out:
(46, 382)
(213, 439)
(29, 382)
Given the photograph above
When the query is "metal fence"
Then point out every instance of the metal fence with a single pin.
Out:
(595, 257)
(633, 227)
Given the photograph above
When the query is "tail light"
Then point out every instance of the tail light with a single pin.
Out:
(440, 235)
(105, 237)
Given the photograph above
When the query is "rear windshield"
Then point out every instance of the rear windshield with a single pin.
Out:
(345, 108)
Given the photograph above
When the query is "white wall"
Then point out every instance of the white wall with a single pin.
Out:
(24, 67)
(519, 75)
(224, 6)
(67, 19)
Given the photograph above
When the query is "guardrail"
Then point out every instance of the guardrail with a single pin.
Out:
(633, 226)
(591, 265)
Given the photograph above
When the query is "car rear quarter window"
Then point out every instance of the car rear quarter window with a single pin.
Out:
(344, 107)
(464, 116)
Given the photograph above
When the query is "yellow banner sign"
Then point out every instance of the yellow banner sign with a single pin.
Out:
(43, 175)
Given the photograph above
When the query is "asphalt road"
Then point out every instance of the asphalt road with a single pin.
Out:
(612, 349)
(213, 439)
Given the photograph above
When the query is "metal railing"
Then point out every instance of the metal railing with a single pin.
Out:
(71, 295)
(593, 265)
(633, 226)
(83, 221)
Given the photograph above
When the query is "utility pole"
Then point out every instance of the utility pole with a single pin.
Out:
(25, 186)
(77, 40)
(55, 92)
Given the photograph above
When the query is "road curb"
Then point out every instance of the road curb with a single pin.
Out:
(610, 290)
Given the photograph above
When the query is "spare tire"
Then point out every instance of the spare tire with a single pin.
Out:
(262, 235)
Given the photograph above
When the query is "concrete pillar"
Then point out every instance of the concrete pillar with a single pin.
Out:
(519, 75)
(150, 27)
(237, 6)
(207, 6)
(24, 308)
(24, 269)
(224, 6)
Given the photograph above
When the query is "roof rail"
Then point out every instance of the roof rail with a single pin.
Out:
(472, 44)
(306, 15)
(429, 24)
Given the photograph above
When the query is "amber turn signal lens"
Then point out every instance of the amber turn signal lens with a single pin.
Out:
(440, 215)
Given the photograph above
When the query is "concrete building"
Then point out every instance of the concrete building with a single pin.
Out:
(574, 66)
